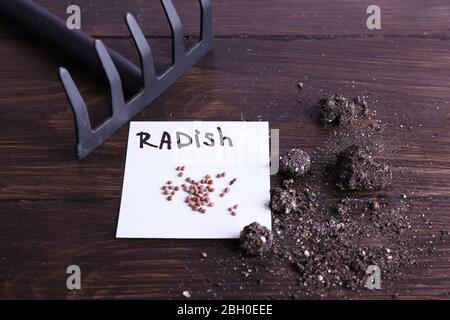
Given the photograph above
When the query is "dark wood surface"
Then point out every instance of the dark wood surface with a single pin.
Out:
(56, 211)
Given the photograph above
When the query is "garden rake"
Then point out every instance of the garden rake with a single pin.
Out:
(143, 82)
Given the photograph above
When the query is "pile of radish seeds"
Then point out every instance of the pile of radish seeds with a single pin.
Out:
(199, 192)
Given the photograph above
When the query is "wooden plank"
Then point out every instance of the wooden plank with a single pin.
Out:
(267, 18)
(243, 79)
(41, 238)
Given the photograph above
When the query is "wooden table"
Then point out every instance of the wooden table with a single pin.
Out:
(56, 211)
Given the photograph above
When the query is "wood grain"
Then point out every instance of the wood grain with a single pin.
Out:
(309, 18)
(57, 211)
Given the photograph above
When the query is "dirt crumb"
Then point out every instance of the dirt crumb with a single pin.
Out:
(283, 201)
(295, 163)
(338, 110)
(355, 169)
(292, 198)
(255, 239)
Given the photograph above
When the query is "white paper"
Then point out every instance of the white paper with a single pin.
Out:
(146, 213)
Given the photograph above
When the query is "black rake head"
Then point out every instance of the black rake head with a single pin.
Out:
(89, 138)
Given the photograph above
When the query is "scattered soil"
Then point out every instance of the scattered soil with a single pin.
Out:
(292, 200)
(335, 245)
(255, 239)
(295, 163)
(355, 169)
(337, 109)
(330, 225)
(324, 245)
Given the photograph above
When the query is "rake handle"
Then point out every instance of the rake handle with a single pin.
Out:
(35, 19)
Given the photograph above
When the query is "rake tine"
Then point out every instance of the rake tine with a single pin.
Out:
(206, 20)
(113, 76)
(145, 52)
(81, 114)
(177, 30)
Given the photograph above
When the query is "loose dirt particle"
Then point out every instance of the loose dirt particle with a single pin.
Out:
(186, 294)
(295, 163)
(255, 239)
(355, 169)
(293, 199)
(374, 205)
(337, 109)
